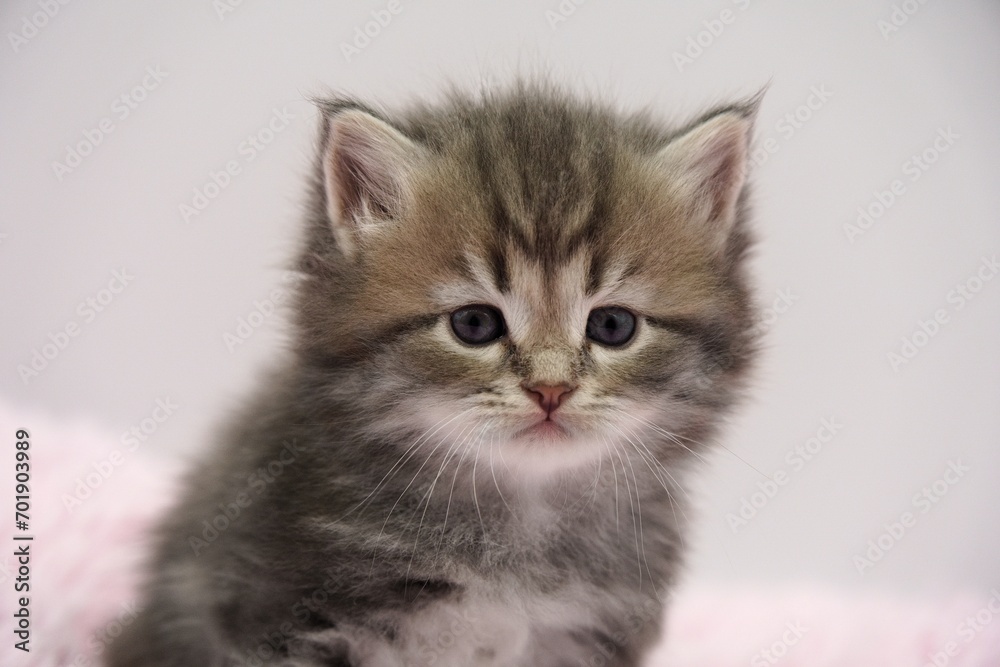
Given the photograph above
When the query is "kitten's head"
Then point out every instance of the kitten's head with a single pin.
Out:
(529, 274)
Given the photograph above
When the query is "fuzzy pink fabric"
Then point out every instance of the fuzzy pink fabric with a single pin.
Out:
(84, 564)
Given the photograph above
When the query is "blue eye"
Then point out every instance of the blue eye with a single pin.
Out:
(611, 326)
(477, 325)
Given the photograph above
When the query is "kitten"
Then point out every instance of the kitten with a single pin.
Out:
(521, 318)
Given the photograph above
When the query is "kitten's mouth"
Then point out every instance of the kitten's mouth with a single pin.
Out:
(548, 429)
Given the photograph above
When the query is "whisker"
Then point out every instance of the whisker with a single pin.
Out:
(673, 437)
(459, 441)
(638, 502)
(494, 473)
(676, 438)
(651, 460)
(451, 494)
(683, 490)
(615, 471)
(597, 482)
(403, 493)
(406, 456)
(656, 475)
(430, 492)
(656, 462)
(475, 495)
(635, 529)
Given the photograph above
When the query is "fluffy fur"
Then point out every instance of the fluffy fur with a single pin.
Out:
(394, 496)
(90, 563)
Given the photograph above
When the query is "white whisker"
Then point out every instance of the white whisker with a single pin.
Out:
(406, 456)
(494, 473)
(403, 493)
(635, 528)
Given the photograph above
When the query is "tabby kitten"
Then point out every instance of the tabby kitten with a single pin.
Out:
(521, 317)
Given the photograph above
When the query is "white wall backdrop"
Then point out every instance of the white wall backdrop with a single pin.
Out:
(874, 431)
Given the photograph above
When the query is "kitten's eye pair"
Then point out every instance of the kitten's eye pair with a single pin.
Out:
(479, 325)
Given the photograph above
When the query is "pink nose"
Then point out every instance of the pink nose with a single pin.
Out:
(548, 396)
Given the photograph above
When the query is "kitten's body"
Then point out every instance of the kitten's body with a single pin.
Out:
(395, 496)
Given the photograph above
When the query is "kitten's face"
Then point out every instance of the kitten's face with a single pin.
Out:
(542, 301)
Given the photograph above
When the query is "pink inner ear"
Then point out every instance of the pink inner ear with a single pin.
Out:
(708, 167)
(361, 173)
(365, 168)
(724, 165)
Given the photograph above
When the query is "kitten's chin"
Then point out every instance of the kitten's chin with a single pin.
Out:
(548, 447)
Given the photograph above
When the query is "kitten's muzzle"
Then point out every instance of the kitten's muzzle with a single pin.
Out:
(548, 396)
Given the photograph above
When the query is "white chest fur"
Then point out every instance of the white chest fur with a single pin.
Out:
(478, 632)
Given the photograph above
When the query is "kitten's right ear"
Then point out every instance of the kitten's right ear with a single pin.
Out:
(367, 169)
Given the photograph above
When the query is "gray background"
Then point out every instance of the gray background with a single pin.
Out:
(885, 97)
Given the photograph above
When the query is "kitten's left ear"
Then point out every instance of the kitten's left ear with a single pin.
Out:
(707, 167)
(367, 170)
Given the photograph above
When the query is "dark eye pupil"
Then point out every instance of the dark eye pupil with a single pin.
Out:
(610, 326)
(477, 325)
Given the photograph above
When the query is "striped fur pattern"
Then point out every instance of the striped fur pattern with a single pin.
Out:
(428, 508)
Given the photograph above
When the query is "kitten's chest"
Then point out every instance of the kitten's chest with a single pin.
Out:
(513, 608)
(506, 593)
(482, 629)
